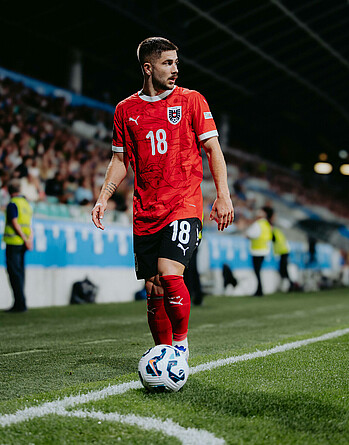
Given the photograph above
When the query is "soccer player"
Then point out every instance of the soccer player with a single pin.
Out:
(159, 131)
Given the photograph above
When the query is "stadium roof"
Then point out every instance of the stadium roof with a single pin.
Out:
(278, 68)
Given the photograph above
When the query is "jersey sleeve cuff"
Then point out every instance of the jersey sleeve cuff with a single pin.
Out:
(118, 149)
(207, 135)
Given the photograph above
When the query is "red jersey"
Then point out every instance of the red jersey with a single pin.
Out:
(161, 136)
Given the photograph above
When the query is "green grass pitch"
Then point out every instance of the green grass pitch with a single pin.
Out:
(297, 396)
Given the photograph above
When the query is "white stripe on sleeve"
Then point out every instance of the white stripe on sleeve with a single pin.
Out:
(207, 135)
(118, 149)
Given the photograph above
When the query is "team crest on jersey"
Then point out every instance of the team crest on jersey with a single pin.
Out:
(174, 114)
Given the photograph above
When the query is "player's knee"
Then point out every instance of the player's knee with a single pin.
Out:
(170, 267)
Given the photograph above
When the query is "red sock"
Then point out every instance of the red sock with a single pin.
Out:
(177, 304)
(158, 321)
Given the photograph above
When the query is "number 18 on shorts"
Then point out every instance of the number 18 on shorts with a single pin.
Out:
(177, 241)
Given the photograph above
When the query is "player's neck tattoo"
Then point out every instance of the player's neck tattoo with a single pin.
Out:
(110, 188)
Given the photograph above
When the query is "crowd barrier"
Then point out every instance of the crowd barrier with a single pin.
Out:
(67, 251)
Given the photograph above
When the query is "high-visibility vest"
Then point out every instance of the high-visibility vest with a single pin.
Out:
(261, 243)
(24, 220)
(280, 244)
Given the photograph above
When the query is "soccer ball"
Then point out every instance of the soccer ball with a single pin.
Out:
(163, 368)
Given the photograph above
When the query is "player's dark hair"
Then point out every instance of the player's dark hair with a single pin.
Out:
(153, 46)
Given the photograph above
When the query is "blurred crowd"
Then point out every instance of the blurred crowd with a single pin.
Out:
(60, 153)
(39, 146)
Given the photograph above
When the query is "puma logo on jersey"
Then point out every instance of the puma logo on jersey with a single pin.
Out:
(133, 120)
(172, 300)
(183, 248)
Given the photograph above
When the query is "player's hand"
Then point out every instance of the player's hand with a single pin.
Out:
(98, 213)
(222, 212)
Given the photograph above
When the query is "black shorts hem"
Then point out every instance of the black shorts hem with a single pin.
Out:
(177, 242)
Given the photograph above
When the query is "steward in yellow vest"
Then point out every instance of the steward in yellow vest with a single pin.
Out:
(18, 239)
(262, 242)
(260, 235)
(280, 243)
(24, 210)
(282, 248)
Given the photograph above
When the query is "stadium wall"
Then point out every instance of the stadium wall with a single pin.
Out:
(66, 251)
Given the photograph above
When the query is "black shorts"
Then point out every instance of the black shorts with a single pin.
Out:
(177, 241)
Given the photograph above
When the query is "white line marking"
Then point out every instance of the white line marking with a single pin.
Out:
(188, 436)
(58, 406)
(282, 348)
(96, 342)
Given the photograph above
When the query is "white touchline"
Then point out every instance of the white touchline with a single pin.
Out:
(282, 348)
(59, 406)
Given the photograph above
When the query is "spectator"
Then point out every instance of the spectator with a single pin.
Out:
(55, 186)
(4, 194)
(31, 188)
(239, 187)
(83, 194)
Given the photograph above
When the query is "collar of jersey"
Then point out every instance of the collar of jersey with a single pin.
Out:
(156, 98)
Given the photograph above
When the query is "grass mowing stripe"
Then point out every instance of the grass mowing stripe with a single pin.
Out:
(58, 406)
(188, 436)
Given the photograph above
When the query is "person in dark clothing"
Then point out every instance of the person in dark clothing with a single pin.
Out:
(18, 239)
(228, 276)
(312, 250)
(260, 235)
(55, 186)
(192, 281)
(281, 248)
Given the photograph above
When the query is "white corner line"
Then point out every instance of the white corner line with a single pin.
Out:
(188, 436)
(59, 406)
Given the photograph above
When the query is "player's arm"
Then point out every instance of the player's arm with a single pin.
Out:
(222, 209)
(115, 174)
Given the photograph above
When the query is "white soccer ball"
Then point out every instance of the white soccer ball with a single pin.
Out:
(163, 368)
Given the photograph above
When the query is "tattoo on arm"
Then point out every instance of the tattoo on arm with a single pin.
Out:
(110, 188)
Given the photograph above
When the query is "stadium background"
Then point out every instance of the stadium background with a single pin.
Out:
(276, 77)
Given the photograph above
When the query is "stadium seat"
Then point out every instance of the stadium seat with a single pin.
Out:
(42, 208)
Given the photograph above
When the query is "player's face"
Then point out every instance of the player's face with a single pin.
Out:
(165, 71)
